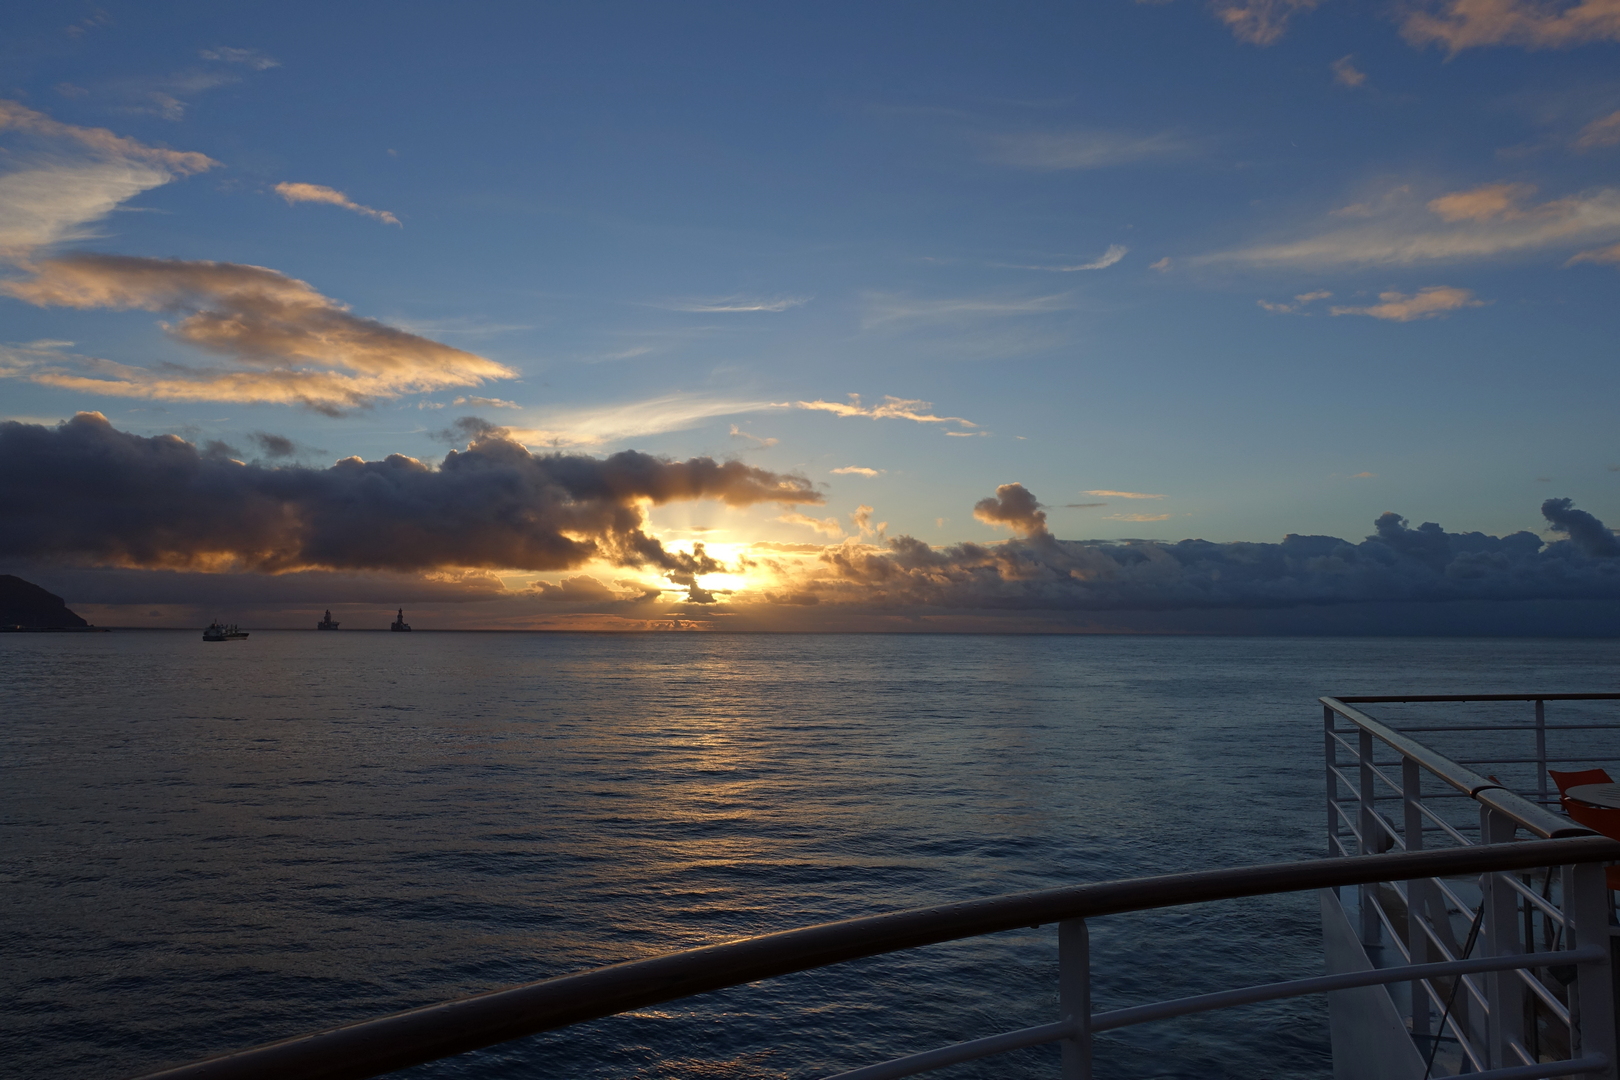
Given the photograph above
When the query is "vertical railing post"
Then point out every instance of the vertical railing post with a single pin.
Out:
(1501, 926)
(1074, 996)
(1371, 834)
(1586, 907)
(1417, 891)
(1330, 752)
(1541, 750)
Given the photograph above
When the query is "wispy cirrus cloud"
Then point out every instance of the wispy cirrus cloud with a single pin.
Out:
(284, 342)
(893, 408)
(1259, 22)
(857, 470)
(1111, 257)
(1602, 132)
(1489, 221)
(1345, 72)
(887, 309)
(1061, 151)
(252, 58)
(1138, 517)
(315, 193)
(596, 425)
(1456, 25)
(733, 304)
(1429, 303)
(1300, 301)
(1102, 493)
(60, 179)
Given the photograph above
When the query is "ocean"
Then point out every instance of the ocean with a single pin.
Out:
(208, 846)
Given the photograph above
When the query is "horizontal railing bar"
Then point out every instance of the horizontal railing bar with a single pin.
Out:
(1539, 988)
(1163, 1010)
(1526, 760)
(1591, 1063)
(960, 1052)
(1392, 698)
(1507, 727)
(373, 1047)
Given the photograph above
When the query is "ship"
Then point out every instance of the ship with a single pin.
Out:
(327, 623)
(399, 624)
(218, 631)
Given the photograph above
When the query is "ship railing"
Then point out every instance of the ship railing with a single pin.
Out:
(1388, 792)
(376, 1047)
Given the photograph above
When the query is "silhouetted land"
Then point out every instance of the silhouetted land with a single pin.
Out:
(26, 606)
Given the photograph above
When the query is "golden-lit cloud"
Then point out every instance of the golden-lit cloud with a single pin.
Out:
(1470, 24)
(1259, 22)
(1103, 494)
(1138, 517)
(1015, 507)
(61, 178)
(857, 470)
(1602, 132)
(286, 342)
(315, 193)
(1489, 221)
(828, 526)
(893, 408)
(1429, 303)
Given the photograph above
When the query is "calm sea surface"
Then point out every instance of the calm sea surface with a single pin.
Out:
(206, 846)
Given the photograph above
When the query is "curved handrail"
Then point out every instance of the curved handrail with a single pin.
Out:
(1541, 822)
(374, 1047)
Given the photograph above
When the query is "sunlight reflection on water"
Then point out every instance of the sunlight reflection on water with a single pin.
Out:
(212, 846)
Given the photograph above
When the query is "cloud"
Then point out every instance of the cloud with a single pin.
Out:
(893, 408)
(275, 446)
(1083, 506)
(1480, 223)
(1345, 73)
(1609, 254)
(861, 518)
(884, 309)
(315, 193)
(828, 526)
(1396, 563)
(729, 304)
(486, 403)
(1139, 517)
(857, 470)
(1470, 24)
(61, 179)
(87, 493)
(287, 342)
(1061, 151)
(1014, 507)
(1108, 258)
(596, 425)
(1363, 475)
(1429, 303)
(1259, 22)
(1299, 301)
(1121, 494)
(759, 441)
(582, 589)
(1162, 265)
(252, 58)
(1602, 132)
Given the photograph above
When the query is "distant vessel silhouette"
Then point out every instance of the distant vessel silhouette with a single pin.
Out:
(218, 631)
(400, 623)
(327, 623)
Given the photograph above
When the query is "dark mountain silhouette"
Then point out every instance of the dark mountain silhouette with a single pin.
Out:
(22, 603)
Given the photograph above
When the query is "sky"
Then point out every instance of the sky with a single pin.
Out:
(882, 316)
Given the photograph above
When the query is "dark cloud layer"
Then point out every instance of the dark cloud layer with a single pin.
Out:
(83, 491)
(1397, 563)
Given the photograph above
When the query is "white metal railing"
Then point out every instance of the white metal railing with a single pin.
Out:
(1483, 1000)
(1531, 1020)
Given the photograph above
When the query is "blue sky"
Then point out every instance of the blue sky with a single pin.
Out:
(1281, 266)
